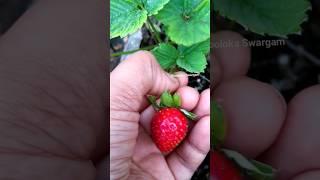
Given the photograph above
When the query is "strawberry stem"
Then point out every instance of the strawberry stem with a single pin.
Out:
(153, 102)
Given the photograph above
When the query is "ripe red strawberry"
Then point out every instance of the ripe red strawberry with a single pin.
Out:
(222, 168)
(169, 125)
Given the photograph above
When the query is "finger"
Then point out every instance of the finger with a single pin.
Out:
(136, 77)
(203, 106)
(234, 60)
(182, 77)
(189, 99)
(310, 175)
(297, 148)
(188, 156)
(254, 112)
(146, 154)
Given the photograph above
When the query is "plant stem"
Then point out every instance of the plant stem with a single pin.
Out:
(154, 31)
(153, 101)
(203, 77)
(130, 52)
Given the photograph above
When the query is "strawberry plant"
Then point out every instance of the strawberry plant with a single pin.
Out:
(180, 30)
(177, 32)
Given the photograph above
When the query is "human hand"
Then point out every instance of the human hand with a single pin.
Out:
(133, 155)
(260, 125)
(53, 92)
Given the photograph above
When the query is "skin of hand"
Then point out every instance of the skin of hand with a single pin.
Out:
(53, 92)
(133, 155)
(261, 125)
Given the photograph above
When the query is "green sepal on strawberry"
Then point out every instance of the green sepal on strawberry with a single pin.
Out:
(231, 165)
(218, 125)
(169, 125)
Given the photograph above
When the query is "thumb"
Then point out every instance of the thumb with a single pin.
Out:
(139, 75)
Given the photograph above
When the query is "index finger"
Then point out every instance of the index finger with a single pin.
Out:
(230, 58)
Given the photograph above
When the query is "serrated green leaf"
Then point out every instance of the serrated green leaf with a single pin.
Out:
(194, 62)
(191, 58)
(166, 55)
(127, 16)
(153, 6)
(187, 21)
(218, 125)
(203, 47)
(272, 17)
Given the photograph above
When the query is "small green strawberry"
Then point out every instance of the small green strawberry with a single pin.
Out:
(169, 125)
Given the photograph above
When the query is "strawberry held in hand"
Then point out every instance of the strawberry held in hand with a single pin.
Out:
(169, 125)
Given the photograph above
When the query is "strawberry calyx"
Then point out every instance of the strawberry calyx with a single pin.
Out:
(168, 100)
